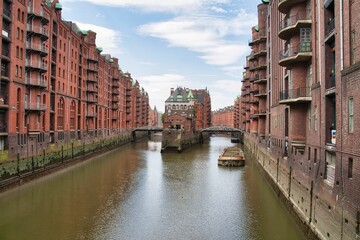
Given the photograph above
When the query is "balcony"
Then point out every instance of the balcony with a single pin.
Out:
(330, 30)
(3, 102)
(259, 52)
(43, 50)
(260, 93)
(35, 65)
(3, 129)
(38, 13)
(116, 85)
(260, 79)
(300, 53)
(29, 106)
(115, 106)
(285, 5)
(35, 82)
(91, 114)
(91, 99)
(297, 95)
(259, 36)
(92, 68)
(92, 59)
(7, 13)
(291, 25)
(91, 89)
(92, 79)
(260, 113)
(115, 92)
(42, 32)
(5, 53)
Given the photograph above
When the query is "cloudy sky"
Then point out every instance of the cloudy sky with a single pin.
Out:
(168, 43)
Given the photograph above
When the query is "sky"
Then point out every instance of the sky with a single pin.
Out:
(166, 44)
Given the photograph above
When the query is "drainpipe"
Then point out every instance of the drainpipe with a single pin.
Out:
(341, 118)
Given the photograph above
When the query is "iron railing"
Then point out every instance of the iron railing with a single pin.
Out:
(302, 47)
(295, 93)
(292, 20)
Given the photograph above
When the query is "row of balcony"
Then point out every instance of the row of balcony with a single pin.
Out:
(285, 5)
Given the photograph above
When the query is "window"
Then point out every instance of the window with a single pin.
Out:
(21, 53)
(315, 118)
(17, 51)
(352, 48)
(18, 15)
(351, 114)
(350, 168)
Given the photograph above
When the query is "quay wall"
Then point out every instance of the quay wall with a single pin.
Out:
(320, 214)
(180, 140)
(16, 170)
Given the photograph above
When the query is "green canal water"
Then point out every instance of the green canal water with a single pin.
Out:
(136, 192)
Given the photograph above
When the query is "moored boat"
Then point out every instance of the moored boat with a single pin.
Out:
(232, 156)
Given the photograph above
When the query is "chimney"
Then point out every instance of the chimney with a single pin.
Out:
(171, 91)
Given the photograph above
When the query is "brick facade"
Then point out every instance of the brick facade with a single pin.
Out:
(56, 85)
(311, 121)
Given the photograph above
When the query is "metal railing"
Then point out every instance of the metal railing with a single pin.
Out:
(301, 47)
(38, 12)
(37, 29)
(7, 12)
(35, 81)
(34, 106)
(35, 64)
(292, 20)
(37, 47)
(330, 27)
(295, 93)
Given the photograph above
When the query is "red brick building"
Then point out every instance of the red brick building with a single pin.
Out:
(299, 96)
(188, 109)
(56, 86)
(224, 117)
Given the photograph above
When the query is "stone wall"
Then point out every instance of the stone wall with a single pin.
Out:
(321, 214)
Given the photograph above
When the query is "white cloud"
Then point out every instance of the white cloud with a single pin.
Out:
(152, 5)
(205, 35)
(106, 38)
(218, 9)
(223, 93)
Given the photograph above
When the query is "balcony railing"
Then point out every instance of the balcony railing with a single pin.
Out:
(3, 128)
(5, 51)
(38, 30)
(292, 20)
(37, 47)
(35, 64)
(330, 27)
(38, 12)
(91, 114)
(297, 94)
(302, 47)
(3, 101)
(34, 106)
(7, 12)
(35, 82)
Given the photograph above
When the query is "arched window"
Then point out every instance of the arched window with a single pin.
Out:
(18, 15)
(61, 107)
(72, 115)
(21, 53)
(17, 51)
(22, 17)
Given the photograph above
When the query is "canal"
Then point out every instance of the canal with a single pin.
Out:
(137, 193)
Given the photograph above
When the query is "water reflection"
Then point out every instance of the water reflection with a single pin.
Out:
(138, 193)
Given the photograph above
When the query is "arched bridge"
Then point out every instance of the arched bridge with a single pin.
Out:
(221, 129)
(147, 129)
